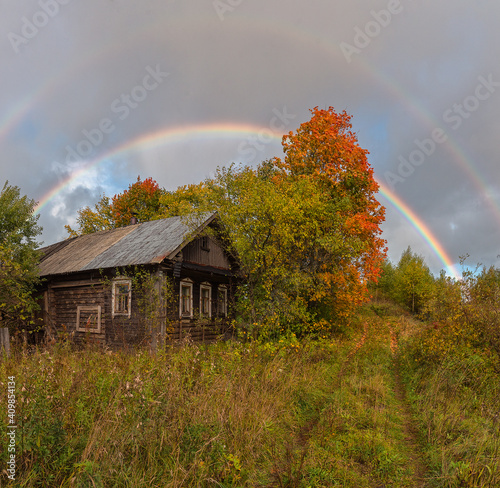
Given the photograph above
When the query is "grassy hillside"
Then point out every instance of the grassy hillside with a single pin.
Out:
(367, 409)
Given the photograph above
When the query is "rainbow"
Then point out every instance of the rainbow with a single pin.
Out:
(452, 146)
(232, 130)
(421, 227)
(286, 31)
(161, 138)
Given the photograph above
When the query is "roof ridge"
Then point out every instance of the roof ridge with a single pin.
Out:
(144, 243)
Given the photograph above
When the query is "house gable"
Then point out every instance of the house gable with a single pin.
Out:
(206, 251)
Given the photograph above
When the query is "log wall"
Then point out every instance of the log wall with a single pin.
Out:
(63, 302)
(64, 298)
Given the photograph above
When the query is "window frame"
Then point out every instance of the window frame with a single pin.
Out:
(186, 283)
(222, 289)
(89, 308)
(116, 283)
(204, 243)
(208, 287)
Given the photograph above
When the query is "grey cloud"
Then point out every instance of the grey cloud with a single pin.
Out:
(262, 56)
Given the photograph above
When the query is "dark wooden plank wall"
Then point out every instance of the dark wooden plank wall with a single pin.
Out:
(197, 331)
(63, 298)
(197, 328)
(215, 255)
(62, 306)
(123, 331)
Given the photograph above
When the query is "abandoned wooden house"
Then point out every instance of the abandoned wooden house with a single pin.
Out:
(142, 284)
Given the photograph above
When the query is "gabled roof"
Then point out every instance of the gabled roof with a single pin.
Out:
(146, 243)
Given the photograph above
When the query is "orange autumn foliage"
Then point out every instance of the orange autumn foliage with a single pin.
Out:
(326, 151)
(141, 200)
(306, 229)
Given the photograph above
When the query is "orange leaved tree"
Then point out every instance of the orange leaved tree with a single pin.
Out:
(348, 250)
(141, 200)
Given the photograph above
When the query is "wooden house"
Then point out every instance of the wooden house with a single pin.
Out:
(142, 284)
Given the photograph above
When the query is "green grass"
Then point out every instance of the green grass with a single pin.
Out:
(284, 414)
(198, 416)
(456, 401)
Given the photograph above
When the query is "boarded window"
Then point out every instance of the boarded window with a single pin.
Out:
(88, 318)
(186, 299)
(122, 297)
(205, 300)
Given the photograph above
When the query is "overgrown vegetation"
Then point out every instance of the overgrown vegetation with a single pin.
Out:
(275, 414)
(315, 392)
(18, 259)
(462, 313)
(287, 413)
(451, 368)
(454, 390)
(306, 228)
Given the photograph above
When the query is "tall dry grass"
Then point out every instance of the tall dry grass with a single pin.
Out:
(455, 397)
(221, 415)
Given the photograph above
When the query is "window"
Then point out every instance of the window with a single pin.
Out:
(206, 300)
(88, 318)
(222, 300)
(204, 243)
(186, 299)
(122, 297)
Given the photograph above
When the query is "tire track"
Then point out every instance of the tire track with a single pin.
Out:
(354, 351)
(414, 449)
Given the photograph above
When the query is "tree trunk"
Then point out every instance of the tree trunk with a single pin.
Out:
(4, 341)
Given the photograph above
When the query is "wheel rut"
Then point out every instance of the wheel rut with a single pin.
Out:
(353, 351)
(414, 449)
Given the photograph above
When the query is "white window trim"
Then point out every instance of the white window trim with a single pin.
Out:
(186, 282)
(88, 308)
(223, 289)
(117, 282)
(206, 286)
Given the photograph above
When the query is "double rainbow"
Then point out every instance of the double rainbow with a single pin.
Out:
(239, 131)
(288, 32)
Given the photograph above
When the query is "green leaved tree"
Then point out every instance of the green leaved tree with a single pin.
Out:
(18, 257)
(306, 228)
(414, 283)
(272, 226)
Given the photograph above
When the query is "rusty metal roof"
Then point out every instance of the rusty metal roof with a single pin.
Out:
(146, 243)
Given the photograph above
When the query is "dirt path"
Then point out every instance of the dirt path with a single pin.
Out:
(410, 439)
(298, 448)
(354, 350)
(414, 449)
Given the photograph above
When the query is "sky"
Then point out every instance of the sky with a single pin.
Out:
(95, 93)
